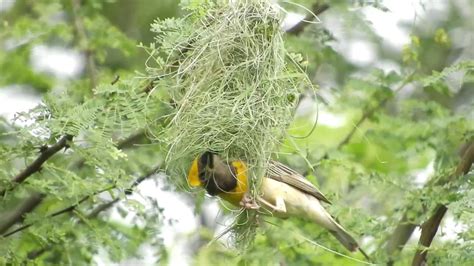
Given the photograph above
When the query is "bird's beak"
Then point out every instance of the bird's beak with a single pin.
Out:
(193, 175)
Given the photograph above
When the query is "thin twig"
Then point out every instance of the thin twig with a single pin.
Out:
(59, 212)
(131, 140)
(9, 222)
(317, 9)
(75, 205)
(102, 207)
(35, 166)
(116, 79)
(126, 143)
(36, 253)
(95, 212)
(368, 113)
(84, 42)
(430, 226)
(17, 216)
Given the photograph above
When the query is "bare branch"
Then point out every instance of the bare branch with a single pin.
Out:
(35, 166)
(399, 237)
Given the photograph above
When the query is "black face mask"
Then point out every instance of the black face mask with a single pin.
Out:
(205, 162)
(215, 182)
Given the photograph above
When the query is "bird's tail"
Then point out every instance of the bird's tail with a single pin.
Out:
(347, 240)
(319, 215)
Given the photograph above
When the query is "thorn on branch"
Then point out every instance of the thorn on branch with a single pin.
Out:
(116, 79)
(43, 148)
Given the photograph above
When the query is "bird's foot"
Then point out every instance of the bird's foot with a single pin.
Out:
(248, 202)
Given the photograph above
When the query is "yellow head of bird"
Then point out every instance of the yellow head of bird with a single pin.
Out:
(200, 170)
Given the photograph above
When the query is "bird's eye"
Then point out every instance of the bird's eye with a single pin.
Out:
(202, 175)
(207, 160)
(203, 160)
(211, 161)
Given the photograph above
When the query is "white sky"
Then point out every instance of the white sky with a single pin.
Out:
(60, 62)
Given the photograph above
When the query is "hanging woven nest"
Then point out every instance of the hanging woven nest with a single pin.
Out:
(233, 87)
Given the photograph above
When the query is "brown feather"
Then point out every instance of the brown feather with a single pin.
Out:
(283, 173)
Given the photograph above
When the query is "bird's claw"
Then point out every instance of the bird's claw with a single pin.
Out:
(248, 202)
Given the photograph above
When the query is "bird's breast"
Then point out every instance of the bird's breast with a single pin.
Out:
(297, 203)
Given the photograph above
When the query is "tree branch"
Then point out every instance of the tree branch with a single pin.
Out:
(428, 232)
(430, 226)
(370, 111)
(367, 113)
(84, 42)
(72, 207)
(47, 152)
(131, 140)
(399, 237)
(59, 212)
(102, 207)
(17, 216)
(35, 166)
(405, 228)
(317, 9)
(126, 143)
(95, 212)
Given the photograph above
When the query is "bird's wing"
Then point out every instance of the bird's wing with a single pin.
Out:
(283, 173)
